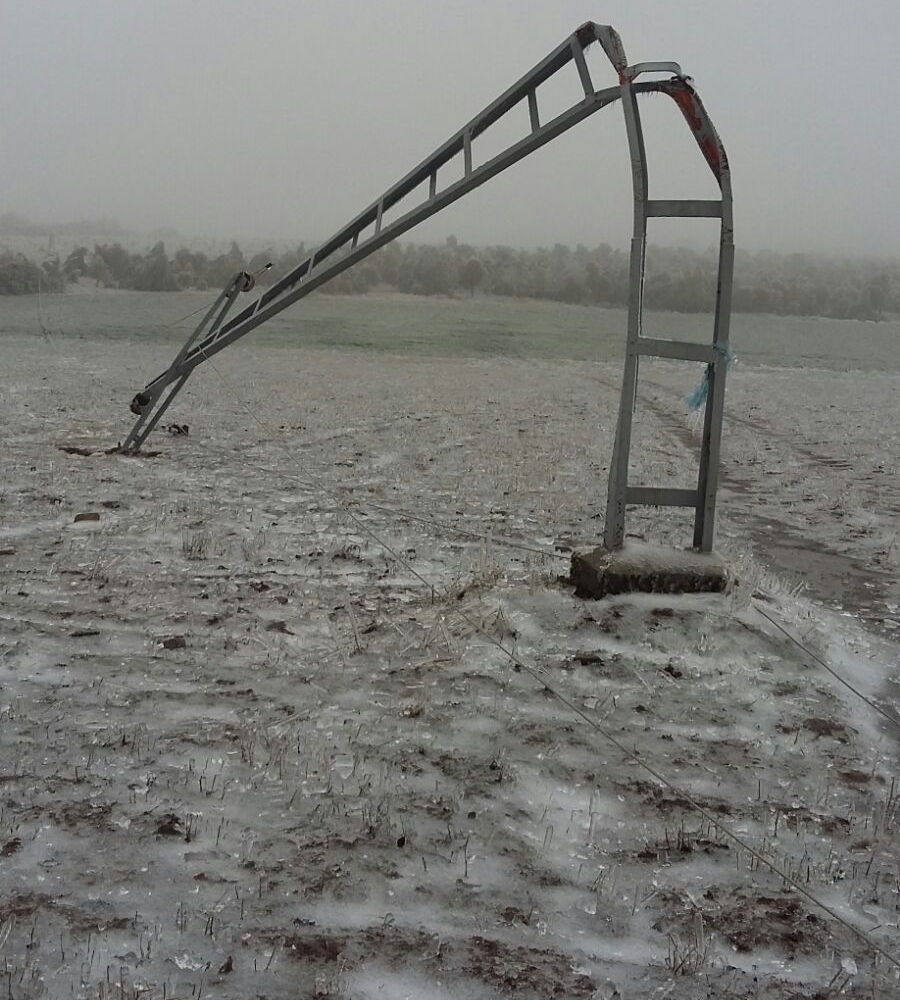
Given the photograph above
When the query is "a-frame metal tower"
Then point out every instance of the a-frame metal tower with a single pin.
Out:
(371, 230)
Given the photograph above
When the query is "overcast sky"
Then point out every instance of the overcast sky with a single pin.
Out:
(284, 119)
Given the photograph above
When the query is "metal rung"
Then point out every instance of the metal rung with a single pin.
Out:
(686, 209)
(533, 113)
(655, 496)
(633, 72)
(680, 350)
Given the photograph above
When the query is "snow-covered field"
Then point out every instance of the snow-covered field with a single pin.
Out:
(282, 719)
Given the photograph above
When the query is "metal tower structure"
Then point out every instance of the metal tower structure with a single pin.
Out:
(371, 229)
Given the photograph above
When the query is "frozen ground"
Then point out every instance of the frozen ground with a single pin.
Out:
(247, 752)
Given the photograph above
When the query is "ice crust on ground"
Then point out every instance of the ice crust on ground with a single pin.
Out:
(337, 786)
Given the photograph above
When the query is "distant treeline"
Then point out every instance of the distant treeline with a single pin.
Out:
(679, 279)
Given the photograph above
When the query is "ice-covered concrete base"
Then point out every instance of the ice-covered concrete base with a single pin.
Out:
(649, 568)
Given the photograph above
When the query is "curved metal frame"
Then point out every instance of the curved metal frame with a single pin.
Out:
(351, 244)
(620, 493)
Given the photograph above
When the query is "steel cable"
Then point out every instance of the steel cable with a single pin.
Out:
(822, 663)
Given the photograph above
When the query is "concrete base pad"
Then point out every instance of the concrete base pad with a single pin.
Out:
(647, 568)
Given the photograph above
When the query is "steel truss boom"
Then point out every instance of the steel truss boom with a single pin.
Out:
(369, 231)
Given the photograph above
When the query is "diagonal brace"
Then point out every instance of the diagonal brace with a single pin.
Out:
(146, 404)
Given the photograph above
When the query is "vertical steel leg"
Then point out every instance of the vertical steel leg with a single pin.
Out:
(710, 449)
(614, 534)
(614, 531)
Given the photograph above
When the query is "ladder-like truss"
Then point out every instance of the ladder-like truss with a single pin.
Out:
(371, 230)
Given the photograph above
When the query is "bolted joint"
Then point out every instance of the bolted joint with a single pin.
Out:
(140, 403)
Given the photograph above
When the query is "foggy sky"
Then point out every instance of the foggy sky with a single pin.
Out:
(284, 119)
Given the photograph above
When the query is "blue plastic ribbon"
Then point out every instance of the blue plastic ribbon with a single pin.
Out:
(697, 396)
